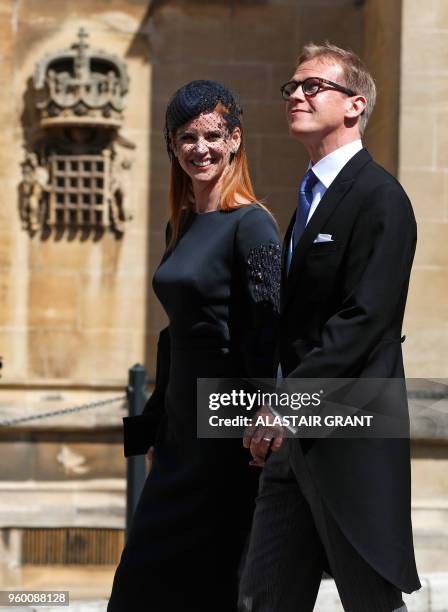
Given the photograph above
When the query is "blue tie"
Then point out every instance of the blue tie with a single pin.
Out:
(304, 205)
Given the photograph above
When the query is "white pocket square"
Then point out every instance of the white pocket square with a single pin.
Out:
(324, 238)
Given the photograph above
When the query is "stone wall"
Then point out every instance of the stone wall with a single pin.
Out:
(72, 311)
(424, 174)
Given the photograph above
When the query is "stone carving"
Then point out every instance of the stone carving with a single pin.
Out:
(71, 462)
(81, 82)
(76, 169)
(34, 186)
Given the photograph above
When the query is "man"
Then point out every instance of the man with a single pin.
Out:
(339, 505)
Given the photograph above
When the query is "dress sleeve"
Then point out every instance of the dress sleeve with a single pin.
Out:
(140, 431)
(156, 400)
(258, 256)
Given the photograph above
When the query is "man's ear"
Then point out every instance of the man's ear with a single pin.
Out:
(356, 106)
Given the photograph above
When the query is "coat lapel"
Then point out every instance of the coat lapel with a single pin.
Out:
(332, 198)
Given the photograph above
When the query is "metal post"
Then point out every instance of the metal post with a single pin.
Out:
(136, 468)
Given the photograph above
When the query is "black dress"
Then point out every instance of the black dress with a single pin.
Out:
(220, 289)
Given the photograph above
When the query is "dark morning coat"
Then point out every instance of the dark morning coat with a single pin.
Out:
(343, 304)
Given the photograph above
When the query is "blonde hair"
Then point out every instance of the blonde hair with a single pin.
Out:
(356, 75)
(236, 184)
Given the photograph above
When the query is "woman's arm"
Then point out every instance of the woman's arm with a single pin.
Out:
(258, 257)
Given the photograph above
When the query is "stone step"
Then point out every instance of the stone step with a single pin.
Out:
(82, 503)
(430, 523)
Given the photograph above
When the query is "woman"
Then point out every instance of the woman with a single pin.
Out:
(219, 284)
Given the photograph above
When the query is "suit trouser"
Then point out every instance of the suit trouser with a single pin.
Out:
(294, 539)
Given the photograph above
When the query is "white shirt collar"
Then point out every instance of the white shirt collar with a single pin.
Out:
(327, 168)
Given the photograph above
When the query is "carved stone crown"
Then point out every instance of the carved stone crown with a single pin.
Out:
(81, 86)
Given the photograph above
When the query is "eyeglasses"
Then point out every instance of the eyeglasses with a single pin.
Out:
(311, 87)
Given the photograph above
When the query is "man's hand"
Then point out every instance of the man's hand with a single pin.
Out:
(259, 439)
